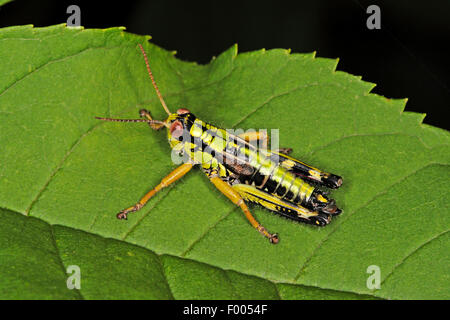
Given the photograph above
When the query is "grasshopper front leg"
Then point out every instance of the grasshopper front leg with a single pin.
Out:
(146, 114)
(236, 198)
(168, 180)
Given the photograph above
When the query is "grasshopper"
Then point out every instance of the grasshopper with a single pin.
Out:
(242, 171)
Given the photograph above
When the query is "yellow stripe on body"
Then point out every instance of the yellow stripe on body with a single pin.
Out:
(278, 176)
(196, 129)
(270, 201)
(296, 188)
(287, 182)
(295, 160)
(267, 167)
(290, 162)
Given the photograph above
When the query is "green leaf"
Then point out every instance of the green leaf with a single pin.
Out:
(64, 175)
(3, 2)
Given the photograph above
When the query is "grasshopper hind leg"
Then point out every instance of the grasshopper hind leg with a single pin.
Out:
(233, 194)
(282, 207)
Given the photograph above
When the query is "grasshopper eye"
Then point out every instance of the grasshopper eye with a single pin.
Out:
(176, 130)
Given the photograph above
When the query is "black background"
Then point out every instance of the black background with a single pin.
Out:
(407, 58)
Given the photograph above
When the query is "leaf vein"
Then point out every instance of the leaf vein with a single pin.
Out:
(414, 251)
(26, 75)
(161, 265)
(203, 235)
(58, 256)
(58, 167)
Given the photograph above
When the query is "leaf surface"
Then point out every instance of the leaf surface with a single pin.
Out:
(64, 175)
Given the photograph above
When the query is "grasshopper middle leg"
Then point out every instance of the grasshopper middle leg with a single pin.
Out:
(262, 136)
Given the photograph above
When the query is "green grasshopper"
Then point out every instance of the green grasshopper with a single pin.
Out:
(241, 170)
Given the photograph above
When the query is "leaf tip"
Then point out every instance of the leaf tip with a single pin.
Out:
(235, 50)
(72, 27)
(405, 101)
(423, 116)
(336, 62)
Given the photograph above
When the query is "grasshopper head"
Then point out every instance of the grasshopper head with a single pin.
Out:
(179, 125)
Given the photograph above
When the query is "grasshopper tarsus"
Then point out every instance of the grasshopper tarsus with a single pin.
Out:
(274, 239)
(122, 215)
(321, 219)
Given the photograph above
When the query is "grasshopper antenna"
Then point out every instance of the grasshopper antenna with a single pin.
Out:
(134, 120)
(153, 80)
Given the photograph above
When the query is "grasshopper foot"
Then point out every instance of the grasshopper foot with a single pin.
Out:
(331, 208)
(321, 203)
(274, 238)
(122, 215)
(321, 219)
